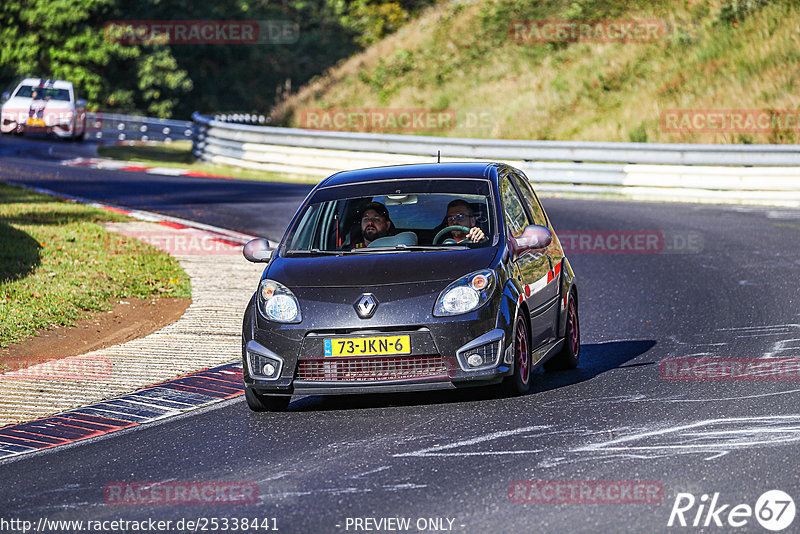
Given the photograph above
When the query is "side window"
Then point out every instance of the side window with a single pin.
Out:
(534, 206)
(304, 232)
(515, 217)
(24, 91)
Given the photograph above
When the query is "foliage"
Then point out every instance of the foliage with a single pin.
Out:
(733, 12)
(371, 21)
(466, 57)
(65, 39)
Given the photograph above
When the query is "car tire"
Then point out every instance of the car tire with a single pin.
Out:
(78, 138)
(519, 382)
(266, 403)
(569, 355)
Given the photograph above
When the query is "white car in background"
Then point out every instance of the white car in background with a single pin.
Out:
(46, 106)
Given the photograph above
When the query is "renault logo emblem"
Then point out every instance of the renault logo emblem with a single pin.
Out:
(366, 305)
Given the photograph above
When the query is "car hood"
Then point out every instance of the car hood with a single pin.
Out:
(361, 269)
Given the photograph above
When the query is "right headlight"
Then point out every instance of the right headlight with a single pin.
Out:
(466, 294)
(276, 302)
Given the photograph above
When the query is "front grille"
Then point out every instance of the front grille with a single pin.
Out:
(376, 368)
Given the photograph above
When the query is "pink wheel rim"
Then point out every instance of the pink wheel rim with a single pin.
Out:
(522, 352)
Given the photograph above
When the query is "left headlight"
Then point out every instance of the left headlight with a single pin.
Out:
(468, 293)
(277, 303)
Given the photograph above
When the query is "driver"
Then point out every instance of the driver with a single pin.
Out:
(459, 213)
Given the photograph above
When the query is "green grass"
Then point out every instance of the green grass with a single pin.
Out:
(715, 55)
(58, 264)
(175, 154)
(178, 154)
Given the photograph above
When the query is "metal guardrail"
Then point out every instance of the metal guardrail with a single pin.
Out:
(110, 126)
(237, 117)
(502, 149)
(768, 174)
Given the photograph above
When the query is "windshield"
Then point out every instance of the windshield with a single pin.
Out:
(43, 93)
(415, 216)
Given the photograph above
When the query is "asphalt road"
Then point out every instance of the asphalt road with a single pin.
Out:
(258, 208)
(455, 456)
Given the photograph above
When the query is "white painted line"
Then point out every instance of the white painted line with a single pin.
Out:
(436, 450)
(166, 171)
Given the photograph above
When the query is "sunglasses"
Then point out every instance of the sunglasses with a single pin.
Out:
(458, 217)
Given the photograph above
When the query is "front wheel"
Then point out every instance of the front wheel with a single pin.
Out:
(568, 356)
(80, 137)
(520, 382)
(266, 403)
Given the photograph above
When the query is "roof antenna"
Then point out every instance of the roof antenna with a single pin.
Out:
(438, 156)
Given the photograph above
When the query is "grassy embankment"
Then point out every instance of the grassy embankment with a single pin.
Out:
(58, 264)
(715, 54)
(178, 154)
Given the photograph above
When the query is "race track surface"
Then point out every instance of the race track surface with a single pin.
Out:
(457, 455)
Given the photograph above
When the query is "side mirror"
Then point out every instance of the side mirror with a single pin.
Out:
(534, 237)
(6, 96)
(81, 103)
(257, 250)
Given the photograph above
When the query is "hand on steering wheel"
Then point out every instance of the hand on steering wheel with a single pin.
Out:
(444, 232)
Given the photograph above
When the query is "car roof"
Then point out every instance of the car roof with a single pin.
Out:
(56, 84)
(419, 170)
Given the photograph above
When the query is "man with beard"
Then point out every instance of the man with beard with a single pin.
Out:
(375, 223)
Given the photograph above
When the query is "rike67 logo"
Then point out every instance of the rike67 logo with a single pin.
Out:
(774, 510)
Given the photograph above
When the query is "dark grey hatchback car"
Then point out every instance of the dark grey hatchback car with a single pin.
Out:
(410, 278)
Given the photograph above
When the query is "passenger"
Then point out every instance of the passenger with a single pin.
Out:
(459, 213)
(375, 223)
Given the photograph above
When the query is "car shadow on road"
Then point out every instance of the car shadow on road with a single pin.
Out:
(596, 358)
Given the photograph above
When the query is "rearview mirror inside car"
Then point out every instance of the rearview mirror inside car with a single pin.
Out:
(257, 250)
(401, 200)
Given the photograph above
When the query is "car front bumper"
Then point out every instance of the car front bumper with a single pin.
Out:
(424, 370)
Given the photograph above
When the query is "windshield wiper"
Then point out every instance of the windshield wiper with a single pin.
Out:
(316, 251)
(409, 248)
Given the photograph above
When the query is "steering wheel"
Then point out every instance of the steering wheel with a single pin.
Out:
(445, 231)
